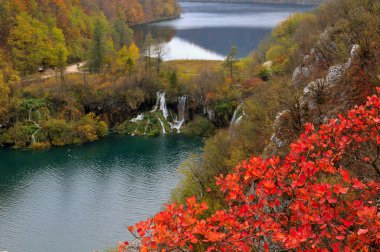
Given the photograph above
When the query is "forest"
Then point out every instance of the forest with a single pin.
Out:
(51, 33)
(40, 39)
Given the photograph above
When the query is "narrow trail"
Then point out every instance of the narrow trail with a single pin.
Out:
(71, 69)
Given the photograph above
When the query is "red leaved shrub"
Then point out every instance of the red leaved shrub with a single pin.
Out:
(305, 201)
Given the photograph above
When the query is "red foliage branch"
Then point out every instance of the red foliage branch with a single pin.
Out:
(305, 201)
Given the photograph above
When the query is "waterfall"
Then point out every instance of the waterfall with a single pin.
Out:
(146, 126)
(182, 113)
(238, 115)
(33, 138)
(210, 113)
(161, 104)
(163, 127)
(138, 118)
(163, 107)
(236, 118)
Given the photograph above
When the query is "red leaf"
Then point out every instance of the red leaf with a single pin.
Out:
(362, 231)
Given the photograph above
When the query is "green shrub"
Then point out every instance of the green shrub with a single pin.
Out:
(60, 132)
(200, 126)
(19, 135)
(102, 129)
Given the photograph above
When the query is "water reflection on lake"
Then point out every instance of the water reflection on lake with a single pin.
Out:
(78, 198)
(209, 30)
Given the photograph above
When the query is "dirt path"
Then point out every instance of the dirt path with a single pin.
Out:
(74, 68)
(71, 69)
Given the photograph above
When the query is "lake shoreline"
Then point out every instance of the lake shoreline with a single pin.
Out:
(255, 2)
(157, 20)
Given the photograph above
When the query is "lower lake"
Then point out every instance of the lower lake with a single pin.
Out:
(80, 198)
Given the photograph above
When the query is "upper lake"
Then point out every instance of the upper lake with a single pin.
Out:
(207, 31)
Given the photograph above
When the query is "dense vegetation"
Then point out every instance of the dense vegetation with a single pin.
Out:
(314, 66)
(52, 108)
(36, 33)
(305, 201)
(276, 110)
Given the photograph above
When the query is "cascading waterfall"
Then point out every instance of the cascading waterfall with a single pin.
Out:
(161, 104)
(182, 112)
(138, 118)
(163, 107)
(210, 113)
(178, 120)
(146, 126)
(237, 117)
(163, 127)
(33, 137)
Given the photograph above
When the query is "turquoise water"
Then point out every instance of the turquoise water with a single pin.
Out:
(79, 199)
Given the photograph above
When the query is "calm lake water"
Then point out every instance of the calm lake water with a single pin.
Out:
(209, 30)
(78, 199)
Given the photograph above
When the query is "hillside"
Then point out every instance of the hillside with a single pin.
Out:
(301, 154)
(34, 31)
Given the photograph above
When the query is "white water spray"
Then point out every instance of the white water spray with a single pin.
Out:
(238, 115)
(33, 137)
(138, 118)
(210, 113)
(146, 126)
(236, 118)
(182, 113)
(163, 127)
(161, 104)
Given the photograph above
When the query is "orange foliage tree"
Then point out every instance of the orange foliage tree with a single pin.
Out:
(307, 200)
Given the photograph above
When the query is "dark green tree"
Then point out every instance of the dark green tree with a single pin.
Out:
(148, 50)
(122, 34)
(230, 61)
(173, 80)
(97, 48)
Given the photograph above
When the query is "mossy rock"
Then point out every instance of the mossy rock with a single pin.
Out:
(149, 126)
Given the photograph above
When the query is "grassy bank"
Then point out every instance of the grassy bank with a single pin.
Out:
(191, 67)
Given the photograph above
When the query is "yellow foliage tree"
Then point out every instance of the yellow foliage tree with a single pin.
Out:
(128, 57)
(4, 100)
(134, 52)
